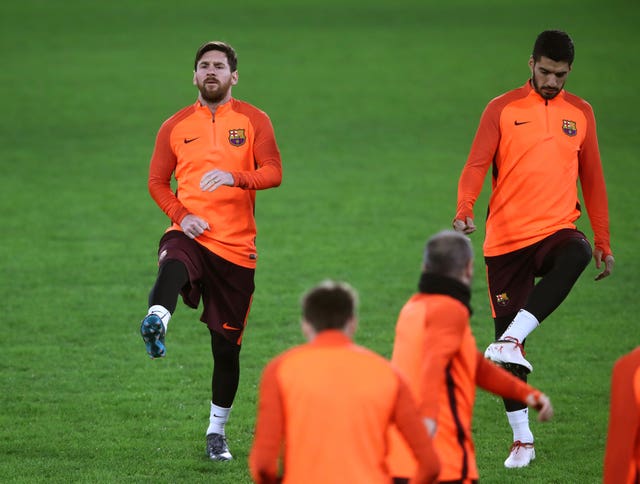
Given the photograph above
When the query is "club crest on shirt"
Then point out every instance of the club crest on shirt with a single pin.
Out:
(569, 127)
(237, 137)
(502, 299)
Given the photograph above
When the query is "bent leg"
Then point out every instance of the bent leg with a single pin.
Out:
(172, 276)
(561, 269)
(501, 325)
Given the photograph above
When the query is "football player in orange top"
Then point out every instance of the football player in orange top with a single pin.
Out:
(435, 350)
(220, 151)
(539, 140)
(326, 406)
(622, 455)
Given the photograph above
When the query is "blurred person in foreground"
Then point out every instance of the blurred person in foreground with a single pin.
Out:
(325, 407)
(220, 151)
(539, 140)
(622, 454)
(436, 351)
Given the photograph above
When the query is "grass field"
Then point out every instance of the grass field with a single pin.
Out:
(374, 104)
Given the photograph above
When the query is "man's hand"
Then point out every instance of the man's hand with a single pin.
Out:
(541, 403)
(609, 261)
(465, 227)
(193, 226)
(213, 179)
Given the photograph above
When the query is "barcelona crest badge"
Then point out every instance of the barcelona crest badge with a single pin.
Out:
(569, 127)
(237, 137)
(502, 299)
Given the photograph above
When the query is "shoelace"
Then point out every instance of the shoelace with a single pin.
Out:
(516, 342)
(517, 444)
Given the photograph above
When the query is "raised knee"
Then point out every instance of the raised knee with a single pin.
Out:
(579, 250)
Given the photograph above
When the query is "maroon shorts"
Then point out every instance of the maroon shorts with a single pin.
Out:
(511, 276)
(226, 289)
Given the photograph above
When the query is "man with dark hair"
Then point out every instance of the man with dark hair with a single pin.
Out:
(555, 45)
(332, 389)
(539, 140)
(436, 352)
(220, 151)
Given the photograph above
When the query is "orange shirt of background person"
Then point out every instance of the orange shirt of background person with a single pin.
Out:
(436, 351)
(622, 455)
(325, 408)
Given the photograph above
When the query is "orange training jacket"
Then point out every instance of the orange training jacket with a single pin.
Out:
(622, 455)
(538, 149)
(238, 139)
(324, 412)
(436, 352)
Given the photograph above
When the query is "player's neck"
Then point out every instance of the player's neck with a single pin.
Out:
(213, 106)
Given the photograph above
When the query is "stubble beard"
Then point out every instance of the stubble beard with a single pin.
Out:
(542, 93)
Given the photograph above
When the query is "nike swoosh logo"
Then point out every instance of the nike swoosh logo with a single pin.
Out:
(228, 326)
(517, 123)
(189, 140)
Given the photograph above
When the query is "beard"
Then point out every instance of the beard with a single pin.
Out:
(545, 92)
(214, 93)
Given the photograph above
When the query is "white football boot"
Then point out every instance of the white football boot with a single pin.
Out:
(507, 351)
(521, 455)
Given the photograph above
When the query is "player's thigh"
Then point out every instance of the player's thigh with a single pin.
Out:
(564, 243)
(227, 297)
(510, 280)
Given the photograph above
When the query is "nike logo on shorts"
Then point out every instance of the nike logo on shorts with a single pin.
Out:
(228, 326)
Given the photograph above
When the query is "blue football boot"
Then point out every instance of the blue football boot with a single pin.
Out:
(152, 331)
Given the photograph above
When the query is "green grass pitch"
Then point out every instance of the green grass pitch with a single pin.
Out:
(374, 104)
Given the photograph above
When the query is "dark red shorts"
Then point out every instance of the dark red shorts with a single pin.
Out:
(511, 276)
(226, 289)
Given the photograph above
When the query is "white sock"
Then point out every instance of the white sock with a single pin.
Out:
(217, 419)
(519, 421)
(162, 312)
(521, 326)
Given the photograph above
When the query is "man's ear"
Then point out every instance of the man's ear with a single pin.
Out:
(307, 330)
(469, 270)
(351, 327)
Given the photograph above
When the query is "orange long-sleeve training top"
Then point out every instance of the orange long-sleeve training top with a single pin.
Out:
(324, 412)
(238, 139)
(538, 150)
(622, 455)
(436, 352)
